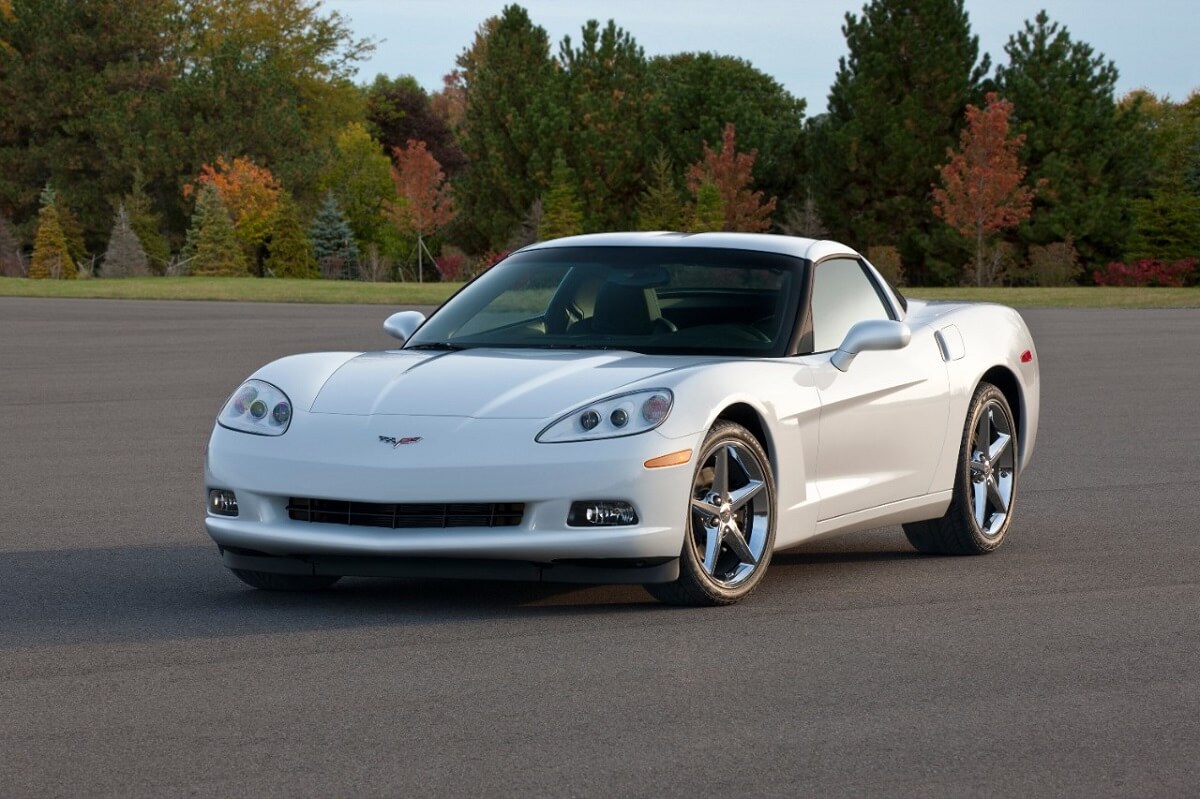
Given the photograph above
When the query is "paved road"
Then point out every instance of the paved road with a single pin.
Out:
(131, 664)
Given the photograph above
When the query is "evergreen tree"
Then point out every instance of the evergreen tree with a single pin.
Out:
(212, 243)
(1079, 150)
(290, 249)
(895, 108)
(51, 257)
(147, 225)
(708, 212)
(660, 207)
(562, 213)
(333, 241)
(124, 256)
(360, 177)
(605, 91)
(1166, 218)
(10, 251)
(513, 123)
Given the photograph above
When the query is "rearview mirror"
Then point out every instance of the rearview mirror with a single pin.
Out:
(403, 324)
(872, 334)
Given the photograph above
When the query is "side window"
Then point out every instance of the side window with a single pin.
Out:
(842, 295)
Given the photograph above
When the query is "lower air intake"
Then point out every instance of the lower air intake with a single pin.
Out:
(402, 516)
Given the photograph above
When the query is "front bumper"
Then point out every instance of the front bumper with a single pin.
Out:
(336, 457)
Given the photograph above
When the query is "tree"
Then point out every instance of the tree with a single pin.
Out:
(124, 256)
(707, 214)
(10, 251)
(250, 193)
(1079, 146)
(147, 225)
(660, 207)
(333, 241)
(1166, 217)
(360, 176)
(982, 191)
(425, 205)
(398, 109)
(562, 213)
(51, 259)
(212, 243)
(605, 91)
(895, 106)
(731, 173)
(511, 128)
(696, 94)
(290, 252)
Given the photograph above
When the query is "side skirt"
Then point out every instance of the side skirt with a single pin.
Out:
(929, 506)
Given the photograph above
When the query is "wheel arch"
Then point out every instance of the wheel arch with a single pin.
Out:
(1002, 378)
(748, 417)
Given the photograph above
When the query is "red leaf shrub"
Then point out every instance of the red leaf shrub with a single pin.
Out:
(450, 265)
(1147, 273)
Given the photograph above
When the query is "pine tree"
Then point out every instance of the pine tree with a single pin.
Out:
(562, 213)
(290, 249)
(51, 258)
(147, 225)
(660, 207)
(124, 256)
(10, 251)
(1078, 146)
(708, 212)
(895, 107)
(212, 244)
(333, 241)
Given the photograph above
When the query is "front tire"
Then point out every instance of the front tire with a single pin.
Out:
(269, 581)
(985, 485)
(730, 532)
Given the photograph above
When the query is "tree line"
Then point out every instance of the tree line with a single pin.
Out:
(229, 137)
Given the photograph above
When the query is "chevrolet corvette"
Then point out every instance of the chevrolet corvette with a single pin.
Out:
(650, 408)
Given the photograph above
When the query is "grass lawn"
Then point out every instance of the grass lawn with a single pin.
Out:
(349, 291)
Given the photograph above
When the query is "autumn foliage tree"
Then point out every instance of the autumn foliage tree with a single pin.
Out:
(982, 189)
(425, 205)
(731, 173)
(249, 192)
(51, 257)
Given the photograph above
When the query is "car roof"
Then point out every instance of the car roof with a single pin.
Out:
(811, 249)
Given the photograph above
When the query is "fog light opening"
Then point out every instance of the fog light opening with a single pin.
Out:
(222, 502)
(601, 513)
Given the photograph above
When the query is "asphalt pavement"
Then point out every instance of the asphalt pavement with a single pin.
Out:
(132, 664)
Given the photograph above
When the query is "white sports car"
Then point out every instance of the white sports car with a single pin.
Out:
(650, 408)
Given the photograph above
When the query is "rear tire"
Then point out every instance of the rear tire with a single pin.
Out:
(985, 484)
(730, 530)
(269, 581)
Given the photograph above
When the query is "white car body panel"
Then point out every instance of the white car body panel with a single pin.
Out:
(876, 444)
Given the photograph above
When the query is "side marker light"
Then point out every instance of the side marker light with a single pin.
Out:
(1026, 356)
(670, 459)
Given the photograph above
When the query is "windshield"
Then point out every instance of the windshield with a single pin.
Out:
(644, 299)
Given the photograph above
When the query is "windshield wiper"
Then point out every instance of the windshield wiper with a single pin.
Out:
(436, 345)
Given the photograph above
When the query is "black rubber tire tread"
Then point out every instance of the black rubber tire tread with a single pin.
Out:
(956, 533)
(269, 581)
(694, 588)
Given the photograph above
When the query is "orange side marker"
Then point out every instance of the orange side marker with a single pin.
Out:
(672, 459)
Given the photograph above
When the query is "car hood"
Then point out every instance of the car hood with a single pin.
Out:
(482, 384)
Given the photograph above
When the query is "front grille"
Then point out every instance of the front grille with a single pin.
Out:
(397, 516)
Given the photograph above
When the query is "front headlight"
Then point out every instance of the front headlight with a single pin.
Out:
(259, 408)
(622, 415)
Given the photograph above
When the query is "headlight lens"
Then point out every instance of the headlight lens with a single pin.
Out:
(622, 415)
(259, 408)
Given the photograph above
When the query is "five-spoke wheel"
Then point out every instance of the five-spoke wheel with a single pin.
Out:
(731, 522)
(985, 488)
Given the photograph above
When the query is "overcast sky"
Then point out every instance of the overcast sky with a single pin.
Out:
(1153, 42)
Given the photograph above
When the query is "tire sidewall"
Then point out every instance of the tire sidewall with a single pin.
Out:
(985, 394)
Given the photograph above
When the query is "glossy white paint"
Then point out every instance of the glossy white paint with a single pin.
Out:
(875, 444)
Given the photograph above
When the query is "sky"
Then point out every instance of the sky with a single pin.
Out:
(798, 42)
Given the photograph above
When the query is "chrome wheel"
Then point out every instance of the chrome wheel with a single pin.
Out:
(993, 466)
(731, 513)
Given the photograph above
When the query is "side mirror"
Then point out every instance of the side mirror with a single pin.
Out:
(403, 324)
(872, 334)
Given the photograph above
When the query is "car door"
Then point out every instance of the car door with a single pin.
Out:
(883, 420)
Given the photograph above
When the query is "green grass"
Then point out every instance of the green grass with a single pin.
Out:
(1070, 297)
(233, 289)
(348, 291)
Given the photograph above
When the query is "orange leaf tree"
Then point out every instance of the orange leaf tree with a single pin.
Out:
(425, 205)
(249, 192)
(982, 189)
(730, 171)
